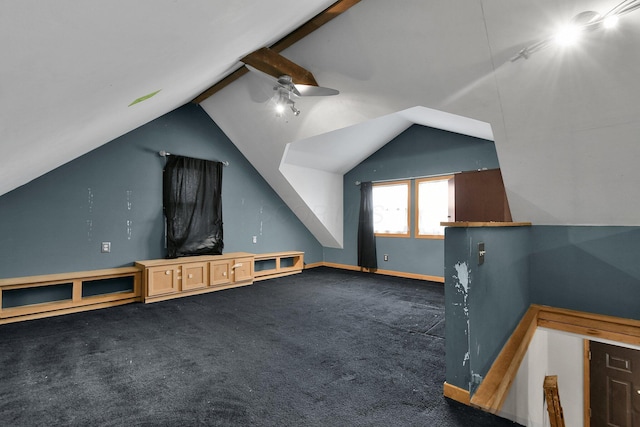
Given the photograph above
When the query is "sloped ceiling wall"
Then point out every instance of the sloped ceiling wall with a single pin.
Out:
(71, 68)
(565, 122)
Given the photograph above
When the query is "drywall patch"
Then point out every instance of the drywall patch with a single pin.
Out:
(476, 379)
(462, 281)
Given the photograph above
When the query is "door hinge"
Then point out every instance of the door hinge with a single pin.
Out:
(589, 354)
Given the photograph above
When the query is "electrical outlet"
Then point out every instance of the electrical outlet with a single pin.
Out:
(386, 257)
(105, 247)
(254, 239)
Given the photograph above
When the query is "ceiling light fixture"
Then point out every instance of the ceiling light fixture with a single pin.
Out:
(584, 21)
(283, 100)
(610, 21)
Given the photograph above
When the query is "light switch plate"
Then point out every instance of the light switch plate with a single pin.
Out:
(481, 253)
(105, 247)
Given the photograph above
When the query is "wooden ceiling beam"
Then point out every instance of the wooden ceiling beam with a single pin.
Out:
(298, 34)
(276, 65)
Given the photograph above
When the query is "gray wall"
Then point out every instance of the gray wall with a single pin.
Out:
(114, 193)
(419, 151)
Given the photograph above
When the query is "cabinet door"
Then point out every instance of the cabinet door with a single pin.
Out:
(162, 280)
(220, 273)
(243, 270)
(195, 275)
(480, 196)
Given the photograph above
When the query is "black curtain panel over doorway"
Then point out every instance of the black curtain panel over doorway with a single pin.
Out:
(366, 238)
(193, 206)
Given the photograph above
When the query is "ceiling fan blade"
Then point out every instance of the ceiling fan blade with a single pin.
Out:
(282, 81)
(308, 90)
(276, 65)
(269, 77)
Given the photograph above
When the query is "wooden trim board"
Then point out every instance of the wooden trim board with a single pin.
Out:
(383, 272)
(586, 392)
(468, 224)
(456, 393)
(493, 390)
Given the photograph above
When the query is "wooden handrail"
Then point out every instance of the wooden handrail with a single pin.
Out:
(494, 388)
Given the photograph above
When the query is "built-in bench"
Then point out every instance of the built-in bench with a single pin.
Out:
(277, 264)
(33, 297)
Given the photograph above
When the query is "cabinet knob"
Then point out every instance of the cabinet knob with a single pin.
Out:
(167, 272)
(190, 276)
(224, 273)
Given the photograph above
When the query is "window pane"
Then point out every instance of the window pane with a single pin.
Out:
(433, 206)
(391, 208)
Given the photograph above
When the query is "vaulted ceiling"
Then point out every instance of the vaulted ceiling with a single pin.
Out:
(565, 121)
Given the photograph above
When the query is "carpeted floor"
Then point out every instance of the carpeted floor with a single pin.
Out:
(322, 348)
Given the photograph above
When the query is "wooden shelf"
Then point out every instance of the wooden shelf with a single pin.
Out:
(277, 264)
(33, 297)
(471, 224)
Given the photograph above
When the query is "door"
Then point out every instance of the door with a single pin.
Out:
(615, 386)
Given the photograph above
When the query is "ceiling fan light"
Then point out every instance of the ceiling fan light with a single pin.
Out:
(568, 35)
(610, 21)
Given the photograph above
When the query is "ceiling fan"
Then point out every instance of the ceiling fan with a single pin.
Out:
(289, 78)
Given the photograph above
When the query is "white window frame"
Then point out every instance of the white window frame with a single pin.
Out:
(426, 219)
(402, 210)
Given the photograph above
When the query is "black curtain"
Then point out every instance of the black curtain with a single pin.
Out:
(366, 238)
(193, 206)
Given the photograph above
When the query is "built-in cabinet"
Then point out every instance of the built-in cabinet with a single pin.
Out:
(480, 197)
(34, 297)
(170, 278)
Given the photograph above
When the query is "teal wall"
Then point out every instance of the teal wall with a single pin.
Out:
(587, 268)
(483, 302)
(418, 151)
(114, 193)
(593, 269)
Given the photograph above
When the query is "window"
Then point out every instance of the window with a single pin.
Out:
(434, 204)
(391, 209)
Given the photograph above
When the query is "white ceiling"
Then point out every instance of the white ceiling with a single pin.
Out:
(70, 68)
(565, 122)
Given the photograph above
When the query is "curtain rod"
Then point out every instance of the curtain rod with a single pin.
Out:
(163, 153)
(411, 177)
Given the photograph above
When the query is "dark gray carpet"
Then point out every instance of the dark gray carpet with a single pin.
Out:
(321, 348)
